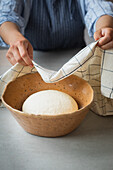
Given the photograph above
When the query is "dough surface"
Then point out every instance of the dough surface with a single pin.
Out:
(49, 102)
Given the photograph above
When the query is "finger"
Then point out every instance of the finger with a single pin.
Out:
(97, 35)
(104, 40)
(107, 46)
(107, 34)
(30, 51)
(24, 54)
(11, 58)
(17, 56)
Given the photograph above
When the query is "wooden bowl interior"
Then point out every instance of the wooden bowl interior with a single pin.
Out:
(18, 90)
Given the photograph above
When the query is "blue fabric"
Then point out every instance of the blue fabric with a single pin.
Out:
(18, 11)
(55, 25)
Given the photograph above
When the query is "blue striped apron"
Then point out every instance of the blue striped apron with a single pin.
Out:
(55, 24)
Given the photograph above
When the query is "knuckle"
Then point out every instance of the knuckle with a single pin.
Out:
(19, 42)
(9, 51)
(24, 55)
(13, 47)
(7, 55)
(19, 60)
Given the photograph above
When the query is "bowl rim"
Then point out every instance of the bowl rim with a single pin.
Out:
(46, 115)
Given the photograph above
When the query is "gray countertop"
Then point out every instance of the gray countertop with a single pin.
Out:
(89, 147)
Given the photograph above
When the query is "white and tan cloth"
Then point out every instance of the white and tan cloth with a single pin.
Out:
(92, 64)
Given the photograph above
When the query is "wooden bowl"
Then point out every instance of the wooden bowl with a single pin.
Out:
(18, 90)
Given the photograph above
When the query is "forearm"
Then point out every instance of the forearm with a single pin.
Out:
(104, 21)
(10, 32)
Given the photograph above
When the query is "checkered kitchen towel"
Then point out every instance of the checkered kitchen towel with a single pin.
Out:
(92, 64)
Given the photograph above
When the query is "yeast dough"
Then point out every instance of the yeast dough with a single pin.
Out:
(49, 102)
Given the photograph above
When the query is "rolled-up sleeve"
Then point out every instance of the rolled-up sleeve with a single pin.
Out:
(93, 10)
(11, 10)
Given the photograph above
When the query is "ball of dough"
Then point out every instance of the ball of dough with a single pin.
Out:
(49, 102)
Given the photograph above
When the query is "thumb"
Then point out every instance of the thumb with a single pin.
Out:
(97, 34)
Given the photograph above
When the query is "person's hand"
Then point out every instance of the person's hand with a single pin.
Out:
(106, 35)
(20, 51)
